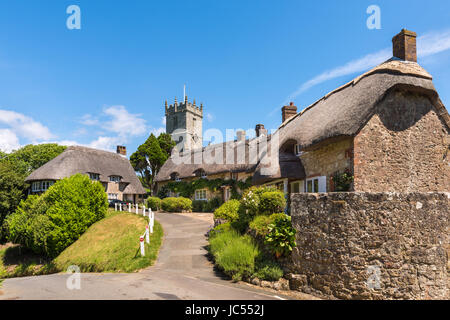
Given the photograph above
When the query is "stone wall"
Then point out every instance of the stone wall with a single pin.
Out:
(371, 245)
(403, 148)
(328, 159)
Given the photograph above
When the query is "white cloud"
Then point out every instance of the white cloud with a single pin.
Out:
(209, 117)
(427, 45)
(163, 120)
(124, 123)
(89, 120)
(158, 131)
(433, 43)
(8, 141)
(25, 126)
(106, 143)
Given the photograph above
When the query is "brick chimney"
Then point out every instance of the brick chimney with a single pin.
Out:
(260, 130)
(240, 135)
(288, 111)
(404, 45)
(122, 150)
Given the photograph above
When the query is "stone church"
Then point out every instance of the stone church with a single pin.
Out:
(184, 123)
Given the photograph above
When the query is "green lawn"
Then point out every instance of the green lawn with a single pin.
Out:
(110, 245)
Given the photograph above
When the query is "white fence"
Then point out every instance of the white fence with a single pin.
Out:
(148, 228)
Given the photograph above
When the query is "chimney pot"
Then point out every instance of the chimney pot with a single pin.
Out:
(260, 130)
(404, 46)
(288, 112)
(122, 150)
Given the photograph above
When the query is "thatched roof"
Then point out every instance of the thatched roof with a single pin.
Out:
(344, 111)
(340, 113)
(77, 159)
(213, 159)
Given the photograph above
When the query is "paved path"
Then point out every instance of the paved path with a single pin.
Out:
(181, 272)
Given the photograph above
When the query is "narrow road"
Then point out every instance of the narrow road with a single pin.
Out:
(181, 272)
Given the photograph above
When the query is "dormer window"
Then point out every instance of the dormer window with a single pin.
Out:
(94, 176)
(115, 178)
(297, 150)
(175, 176)
(200, 173)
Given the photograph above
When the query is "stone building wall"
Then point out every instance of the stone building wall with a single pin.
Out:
(371, 245)
(328, 159)
(403, 148)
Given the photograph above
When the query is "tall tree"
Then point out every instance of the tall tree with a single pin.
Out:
(30, 157)
(150, 157)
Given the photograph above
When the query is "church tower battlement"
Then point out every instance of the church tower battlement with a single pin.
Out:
(184, 123)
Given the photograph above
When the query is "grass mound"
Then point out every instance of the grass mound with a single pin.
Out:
(109, 245)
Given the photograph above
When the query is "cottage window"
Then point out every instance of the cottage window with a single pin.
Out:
(200, 173)
(200, 194)
(36, 186)
(112, 196)
(297, 187)
(94, 176)
(297, 150)
(41, 185)
(114, 178)
(234, 176)
(316, 184)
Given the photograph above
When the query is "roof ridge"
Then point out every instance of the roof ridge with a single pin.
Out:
(377, 69)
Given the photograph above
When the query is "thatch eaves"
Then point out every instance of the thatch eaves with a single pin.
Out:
(77, 159)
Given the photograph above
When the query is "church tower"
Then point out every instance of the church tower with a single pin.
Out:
(184, 123)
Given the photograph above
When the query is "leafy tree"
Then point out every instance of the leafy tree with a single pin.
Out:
(14, 168)
(29, 158)
(12, 190)
(150, 157)
(49, 223)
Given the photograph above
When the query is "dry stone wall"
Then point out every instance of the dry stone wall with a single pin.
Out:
(371, 245)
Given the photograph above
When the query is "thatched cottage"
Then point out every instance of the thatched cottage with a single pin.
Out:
(387, 130)
(113, 170)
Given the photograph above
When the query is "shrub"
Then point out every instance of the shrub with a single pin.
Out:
(250, 201)
(267, 269)
(224, 227)
(228, 211)
(51, 222)
(281, 237)
(198, 205)
(271, 202)
(154, 203)
(179, 204)
(259, 226)
(234, 254)
(212, 204)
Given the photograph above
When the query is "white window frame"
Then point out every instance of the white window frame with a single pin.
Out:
(321, 183)
(38, 186)
(115, 178)
(94, 176)
(113, 196)
(201, 194)
(301, 186)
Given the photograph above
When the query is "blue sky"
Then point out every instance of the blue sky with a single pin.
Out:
(106, 83)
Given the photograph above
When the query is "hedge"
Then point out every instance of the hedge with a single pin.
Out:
(179, 204)
(154, 203)
(49, 223)
(228, 211)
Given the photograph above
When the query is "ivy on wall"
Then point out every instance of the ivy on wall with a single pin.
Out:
(187, 189)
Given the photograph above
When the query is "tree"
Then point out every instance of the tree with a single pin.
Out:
(12, 190)
(150, 157)
(14, 168)
(29, 158)
(49, 223)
